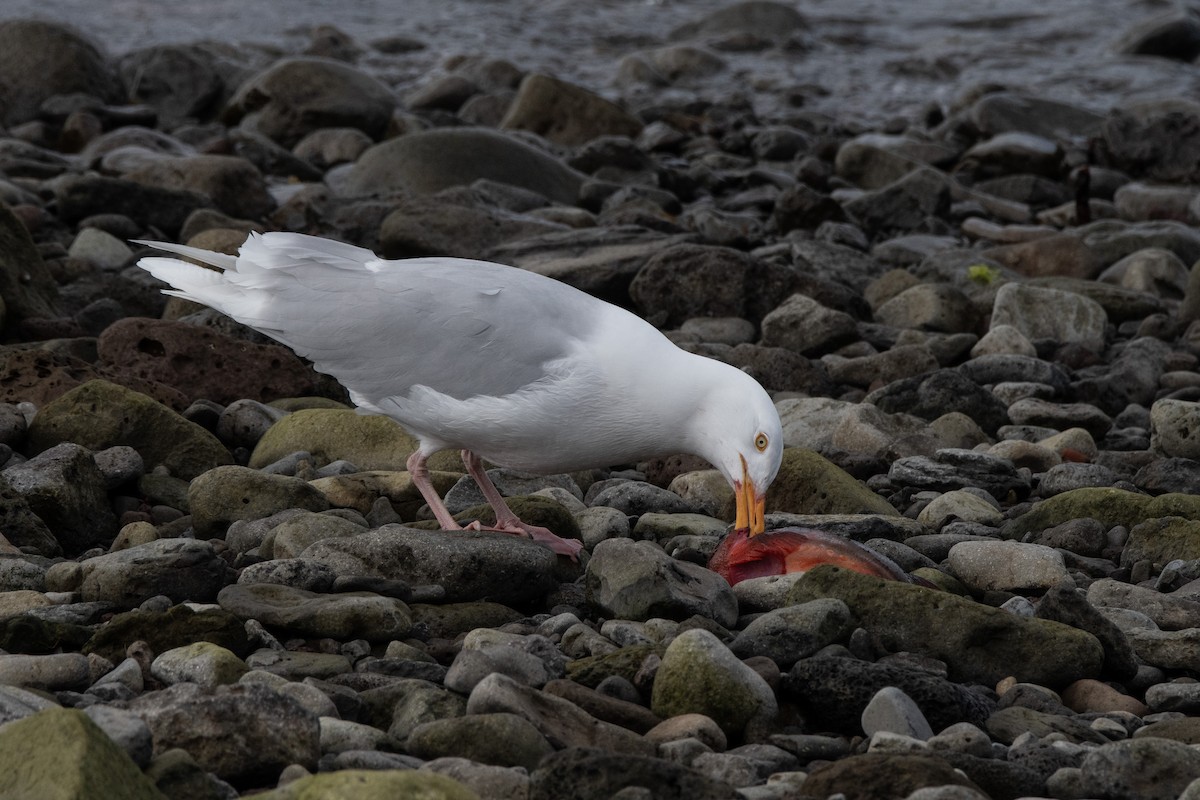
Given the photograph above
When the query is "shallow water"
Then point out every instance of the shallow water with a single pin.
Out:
(862, 60)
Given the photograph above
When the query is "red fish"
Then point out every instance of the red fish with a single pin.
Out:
(790, 550)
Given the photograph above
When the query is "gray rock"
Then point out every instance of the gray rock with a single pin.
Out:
(245, 734)
(471, 666)
(295, 96)
(127, 730)
(430, 161)
(202, 663)
(941, 392)
(1167, 611)
(902, 361)
(789, 634)
(560, 721)
(637, 580)
(501, 783)
(62, 750)
(181, 569)
(903, 205)
(892, 711)
(52, 671)
(292, 536)
(1015, 367)
(64, 487)
(998, 112)
(17, 574)
(510, 483)
(1007, 566)
(930, 306)
(635, 498)
(566, 114)
(298, 573)
(1123, 769)
(42, 59)
(243, 422)
(1184, 697)
(1173, 428)
(232, 184)
(802, 324)
(1074, 475)
(346, 615)
(1064, 603)
(1041, 313)
(952, 469)
(1165, 649)
(874, 160)
(178, 80)
(455, 222)
(692, 280)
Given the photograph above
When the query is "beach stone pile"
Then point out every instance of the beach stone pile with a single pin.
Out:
(981, 327)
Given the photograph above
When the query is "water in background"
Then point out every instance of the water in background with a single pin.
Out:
(864, 60)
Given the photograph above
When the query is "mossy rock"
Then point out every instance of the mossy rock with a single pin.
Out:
(979, 643)
(37, 636)
(227, 494)
(99, 415)
(60, 754)
(368, 441)
(372, 785)
(1110, 506)
(623, 663)
(1162, 540)
(809, 483)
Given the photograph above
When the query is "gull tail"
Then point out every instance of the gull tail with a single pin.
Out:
(240, 285)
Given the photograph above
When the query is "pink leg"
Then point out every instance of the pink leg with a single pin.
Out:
(420, 477)
(506, 520)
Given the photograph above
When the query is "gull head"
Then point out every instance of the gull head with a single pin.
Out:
(740, 434)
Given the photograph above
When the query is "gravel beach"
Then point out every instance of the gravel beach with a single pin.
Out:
(960, 250)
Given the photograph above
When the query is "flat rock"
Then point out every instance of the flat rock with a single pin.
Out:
(1007, 566)
(362, 615)
(519, 570)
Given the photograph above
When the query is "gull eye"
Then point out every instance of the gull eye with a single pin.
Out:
(760, 442)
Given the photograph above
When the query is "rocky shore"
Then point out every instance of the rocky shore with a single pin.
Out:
(980, 323)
